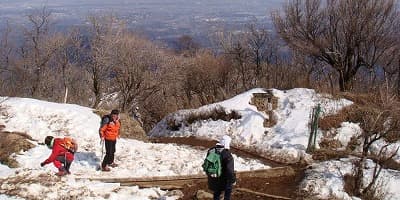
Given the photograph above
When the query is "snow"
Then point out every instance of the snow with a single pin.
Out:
(5, 171)
(325, 180)
(346, 131)
(284, 142)
(135, 158)
(287, 140)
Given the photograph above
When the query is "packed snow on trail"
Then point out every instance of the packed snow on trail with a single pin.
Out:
(135, 158)
(287, 140)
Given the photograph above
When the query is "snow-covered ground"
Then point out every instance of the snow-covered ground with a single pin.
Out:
(135, 158)
(286, 142)
(325, 180)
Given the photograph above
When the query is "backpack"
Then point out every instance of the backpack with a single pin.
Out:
(106, 119)
(70, 144)
(212, 163)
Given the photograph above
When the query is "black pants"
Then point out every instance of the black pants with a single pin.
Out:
(227, 192)
(65, 163)
(110, 150)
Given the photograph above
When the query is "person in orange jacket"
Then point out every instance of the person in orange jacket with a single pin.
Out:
(109, 132)
(62, 153)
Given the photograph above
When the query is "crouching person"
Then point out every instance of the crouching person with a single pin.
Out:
(62, 155)
(219, 167)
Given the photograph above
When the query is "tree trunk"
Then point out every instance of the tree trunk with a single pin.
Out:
(398, 80)
(66, 94)
(345, 82)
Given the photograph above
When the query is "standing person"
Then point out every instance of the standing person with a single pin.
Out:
(109, 132)
(136, 115)
(62, 154)
(224, 180)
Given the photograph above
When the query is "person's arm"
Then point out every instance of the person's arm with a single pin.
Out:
(52, 156)
(230, 167)
(103, 126)
(102, 131)
(119, 128)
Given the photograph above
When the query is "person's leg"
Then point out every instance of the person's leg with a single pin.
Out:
(57, 164)
(112, 151)
(217, 194)
(107, 157)
(67, 166)
(227, 192)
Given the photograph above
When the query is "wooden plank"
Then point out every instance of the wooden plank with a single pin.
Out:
(261, 194)
(177, 182)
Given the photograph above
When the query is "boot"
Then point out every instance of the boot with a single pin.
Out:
(105, 169)
(61, 172)
(113, 165)
(67, 166)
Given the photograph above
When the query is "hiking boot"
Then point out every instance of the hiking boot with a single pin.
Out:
(61, 173)
(113, 165)
(105, 169)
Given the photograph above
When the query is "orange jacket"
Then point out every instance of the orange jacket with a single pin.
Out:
(110, 131)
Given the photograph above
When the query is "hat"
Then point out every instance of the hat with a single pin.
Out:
(115, 112)
(225, 141)
(49, 140)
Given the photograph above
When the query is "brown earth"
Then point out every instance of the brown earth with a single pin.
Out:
(285, 186)
(12, 142)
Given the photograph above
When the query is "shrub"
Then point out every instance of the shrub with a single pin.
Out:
(174, 123)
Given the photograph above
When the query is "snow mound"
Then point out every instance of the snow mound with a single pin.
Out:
(286, 141)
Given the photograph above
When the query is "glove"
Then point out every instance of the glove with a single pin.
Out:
(42, 164)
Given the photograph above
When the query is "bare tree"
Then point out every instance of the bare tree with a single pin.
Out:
(257, 41)
(136, 70)
(104, 34)
(347, 35)
(236, 48)
(39, 48)
(377, 124)
(6, 49)
(206, 80)
(187, 46)
(67, 57)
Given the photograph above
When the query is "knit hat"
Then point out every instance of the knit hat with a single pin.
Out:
(225, 141)
(115, 112)
(49, 140)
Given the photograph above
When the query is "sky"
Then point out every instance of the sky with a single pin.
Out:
(284, 142)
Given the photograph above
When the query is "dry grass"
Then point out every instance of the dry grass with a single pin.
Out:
(377, 192)
(334, 121)
(12, 142)
(217, 113)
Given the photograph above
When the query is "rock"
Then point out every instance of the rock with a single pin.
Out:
(203, 195)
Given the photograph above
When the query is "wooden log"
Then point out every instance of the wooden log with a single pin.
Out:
(261, 194)
(177, 182)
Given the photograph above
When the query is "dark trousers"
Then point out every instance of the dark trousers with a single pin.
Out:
(227, 192)
(110, 150)
(62, 163)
